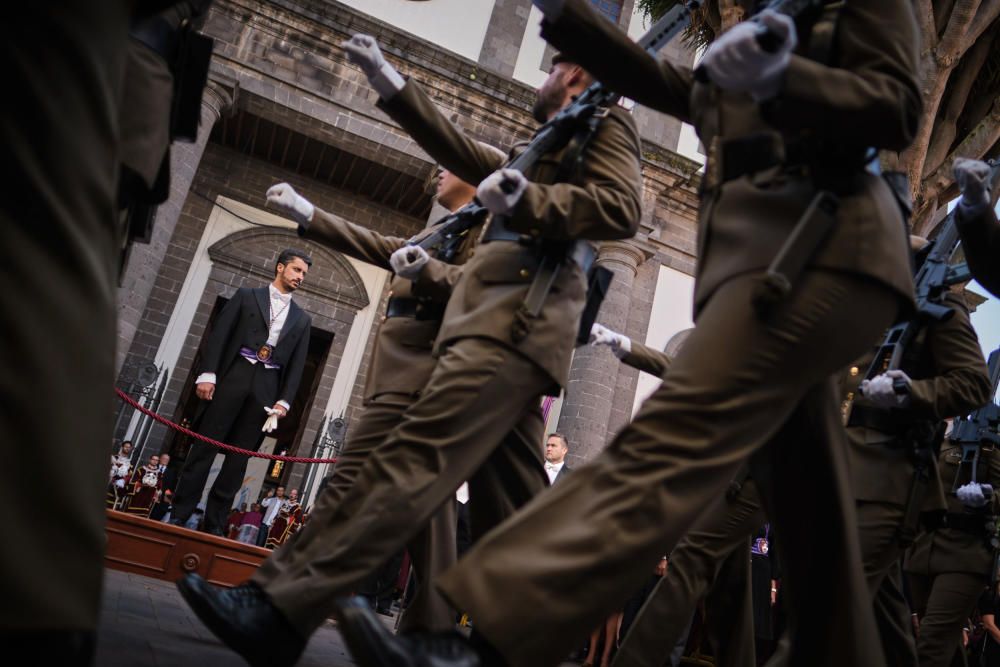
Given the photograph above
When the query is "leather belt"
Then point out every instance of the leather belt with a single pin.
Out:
(973, 524)
(879, 420)
(579, 252)
(414, 308)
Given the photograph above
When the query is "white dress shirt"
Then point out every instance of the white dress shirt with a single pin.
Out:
(552, 470)
(280, 305)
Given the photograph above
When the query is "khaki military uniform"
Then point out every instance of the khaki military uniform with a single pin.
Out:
(948, 568)
(949, 378)
(741, 386)
(486, 382)
(711, 561)
(59, 130)
(981, 243)
(400, 368)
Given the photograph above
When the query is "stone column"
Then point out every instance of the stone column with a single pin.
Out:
(593, 375)
(503, 36)
(145, 258)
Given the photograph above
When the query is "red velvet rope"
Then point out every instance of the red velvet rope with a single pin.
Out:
(221, 445)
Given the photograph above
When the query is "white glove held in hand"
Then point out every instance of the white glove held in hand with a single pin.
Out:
(120, 483)
(363, 51)
(880, 392)
(619, 344)
(736, 62)
(272, 420)
(973, 180)
(550, 8)
(286, 200)
(493, 191)
(409, 261)
(971, 494)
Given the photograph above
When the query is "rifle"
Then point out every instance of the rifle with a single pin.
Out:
(559, 130)
(804, 12)
(974, 433)
(978, 430)
(931, 281)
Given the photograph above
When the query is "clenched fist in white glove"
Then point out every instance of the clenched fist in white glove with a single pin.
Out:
(500, 191)
(973, 180)
(974, 495)
(550, 8)
(880, 391)
(409, 261)
(619, 344)
(363, 51)
(120, 483)
(285, 199)
(736, 61)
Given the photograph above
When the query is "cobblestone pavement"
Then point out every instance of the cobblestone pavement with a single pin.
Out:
(146, 623)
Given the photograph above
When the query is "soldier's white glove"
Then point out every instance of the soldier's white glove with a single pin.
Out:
(736, 62)
(120, 483)
(363, 51)
(500, 191)
(285, 199)
(619, 344)
(880, 392)
(409, 261)
(973, 180)
(550, 8)
(271, 422)
(974, 495)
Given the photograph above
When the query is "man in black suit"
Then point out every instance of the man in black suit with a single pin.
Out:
(556, 448)
(250, 372)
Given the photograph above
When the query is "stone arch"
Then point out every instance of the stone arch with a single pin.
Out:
(254, 251)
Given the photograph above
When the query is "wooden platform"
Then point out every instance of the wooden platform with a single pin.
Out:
(162, 551)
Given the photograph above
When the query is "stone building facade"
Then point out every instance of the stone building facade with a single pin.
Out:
(283, 104)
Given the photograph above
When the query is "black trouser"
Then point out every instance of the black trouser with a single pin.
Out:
(234, 416)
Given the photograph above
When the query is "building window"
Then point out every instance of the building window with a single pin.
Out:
(610, 8)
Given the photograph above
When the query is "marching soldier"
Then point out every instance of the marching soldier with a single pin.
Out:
(710, 561)
(891, 436)
(949, 567)
(506, 339)
(977, 222)
(401, 366)
(785, 296)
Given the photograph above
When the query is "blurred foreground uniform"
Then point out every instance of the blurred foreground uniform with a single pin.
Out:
(60, 128)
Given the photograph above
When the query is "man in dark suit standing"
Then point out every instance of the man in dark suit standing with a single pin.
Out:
(556, 448)
(258, 346)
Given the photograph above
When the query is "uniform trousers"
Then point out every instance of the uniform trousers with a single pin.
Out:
(59, 132)
(741, 386)
(713, 557)
(478, 420)
(432, 550)
(944, 602)
(878, 528)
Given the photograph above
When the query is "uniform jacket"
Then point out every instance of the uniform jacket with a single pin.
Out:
(871, 97)
(244, 322)
(947, 549)
(401, 361)
(602, 202)
(647, 359)
(981, 243)
(950, 378)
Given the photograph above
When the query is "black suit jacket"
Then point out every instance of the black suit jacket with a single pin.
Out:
(244, 322)
(562, 471)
